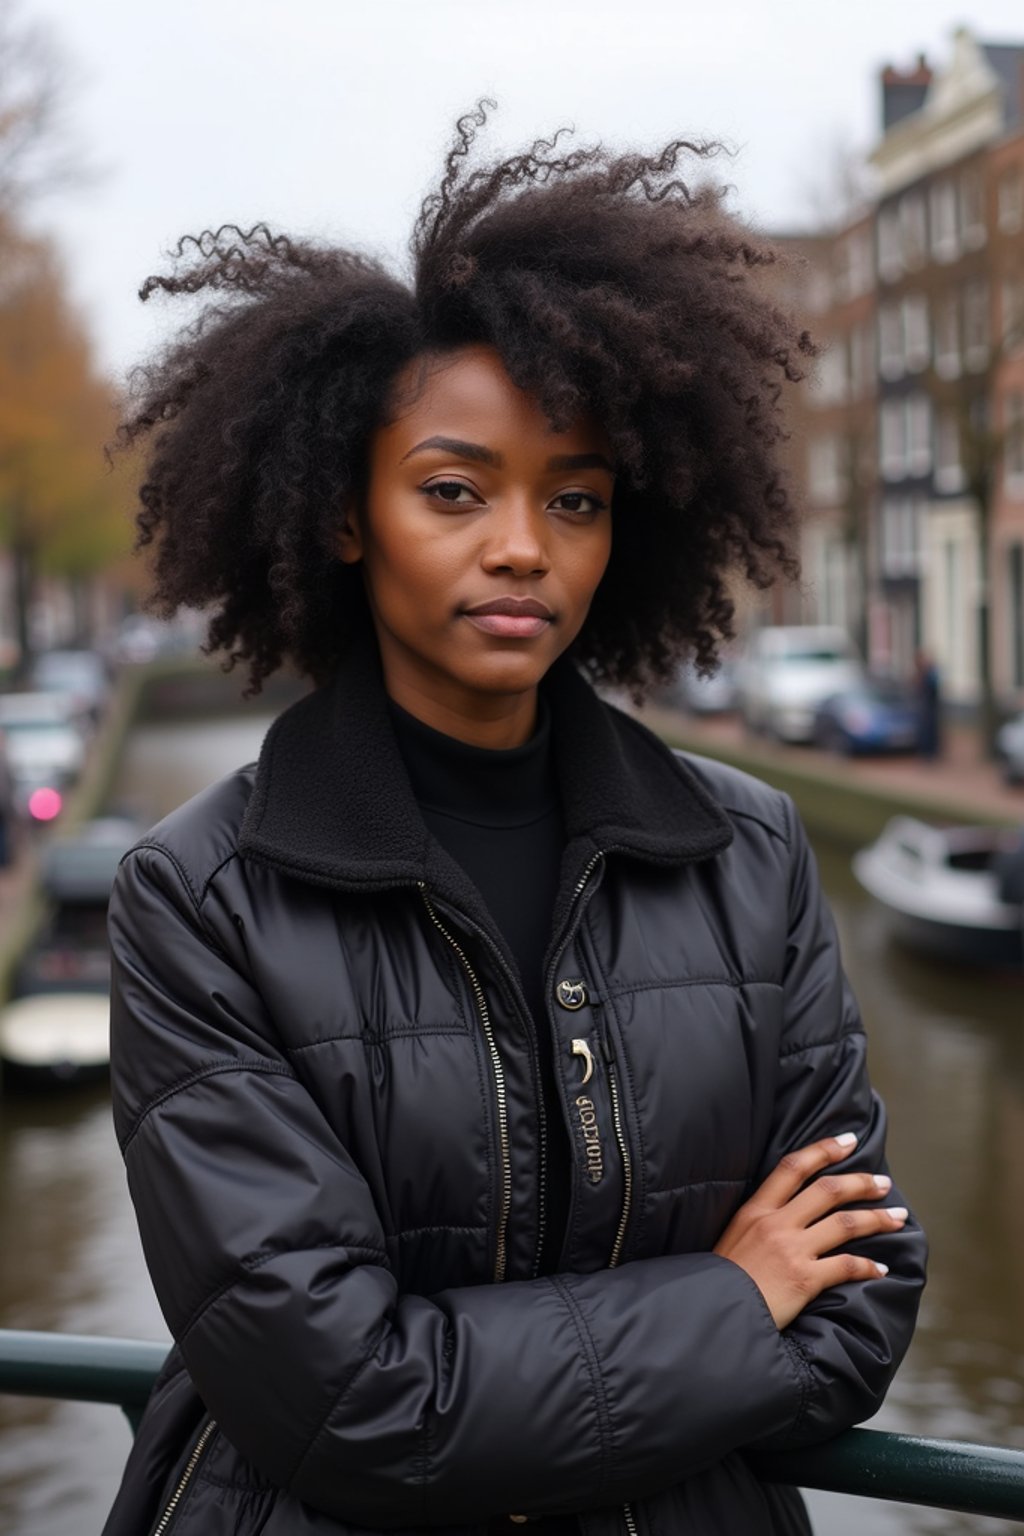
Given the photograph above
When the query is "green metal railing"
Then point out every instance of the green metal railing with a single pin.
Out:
(945, 1474)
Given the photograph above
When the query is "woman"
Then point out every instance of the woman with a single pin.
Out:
(474, 1055)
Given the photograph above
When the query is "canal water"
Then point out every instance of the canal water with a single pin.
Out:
(947, 1052)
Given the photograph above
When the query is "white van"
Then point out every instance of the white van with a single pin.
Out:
(786, 671)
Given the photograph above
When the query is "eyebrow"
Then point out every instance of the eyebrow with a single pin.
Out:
(478, 454)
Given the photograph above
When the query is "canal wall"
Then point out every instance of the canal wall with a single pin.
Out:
(171, 688)
(835, 801)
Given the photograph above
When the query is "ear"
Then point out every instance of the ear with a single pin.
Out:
(350, 538)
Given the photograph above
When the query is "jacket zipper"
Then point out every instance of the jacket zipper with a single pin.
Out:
(627, 1166)
(501, 1246)
(553, 967)
(186, 1477)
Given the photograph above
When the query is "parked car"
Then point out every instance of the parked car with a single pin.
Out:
(874, 716)
(699, 695)
(45, 736)
(1010, 748)
(82, 674)
(787, 671)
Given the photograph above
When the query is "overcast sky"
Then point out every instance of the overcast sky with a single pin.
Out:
(329, 117)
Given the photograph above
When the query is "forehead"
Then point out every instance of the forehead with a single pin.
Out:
(468, 394)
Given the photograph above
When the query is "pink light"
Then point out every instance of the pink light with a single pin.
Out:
(44, 804)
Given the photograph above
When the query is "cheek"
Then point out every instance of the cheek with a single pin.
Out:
(596, 563)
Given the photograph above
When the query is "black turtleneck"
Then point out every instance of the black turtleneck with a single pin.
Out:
(497, 813)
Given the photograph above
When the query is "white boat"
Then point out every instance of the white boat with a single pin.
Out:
(55, 1029)
(944, 892)
(55, 1037)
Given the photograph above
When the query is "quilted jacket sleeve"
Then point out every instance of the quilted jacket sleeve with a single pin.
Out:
(850, 1340)
(389, 1409)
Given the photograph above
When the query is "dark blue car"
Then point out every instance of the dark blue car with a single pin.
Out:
(870, 717)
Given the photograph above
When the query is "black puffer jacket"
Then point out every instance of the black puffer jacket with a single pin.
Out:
(326, 1094)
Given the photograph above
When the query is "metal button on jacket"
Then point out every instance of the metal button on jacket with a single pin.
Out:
(571, 993)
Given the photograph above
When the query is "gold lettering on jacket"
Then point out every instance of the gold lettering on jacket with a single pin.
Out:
(591, 1134)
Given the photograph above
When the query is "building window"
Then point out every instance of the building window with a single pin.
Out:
(913, 230)
(890, 244)
(859, 266)
(916, 341)
(972, 209)
(918, 434)
(823, 477)
(1015, 607)
(830, 374)
(1011, 304)
(945, 231)
(1013, 444)
(949, 473)
(900, 541)
(976, 323)
(892, 446)
(1010, 200)
(947, 336)
(862, 361)
(890, 340)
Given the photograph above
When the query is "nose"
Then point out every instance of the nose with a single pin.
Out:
(517, 540)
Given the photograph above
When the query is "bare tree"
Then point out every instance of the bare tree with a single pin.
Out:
(38, 153)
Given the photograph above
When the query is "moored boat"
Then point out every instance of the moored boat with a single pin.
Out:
(55, 1028)
(946, 889)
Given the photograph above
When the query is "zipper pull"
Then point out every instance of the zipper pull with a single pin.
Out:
(581, 1048)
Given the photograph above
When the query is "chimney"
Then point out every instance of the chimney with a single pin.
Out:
(904, 91)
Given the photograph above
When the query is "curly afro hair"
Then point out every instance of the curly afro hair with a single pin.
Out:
(606, 284)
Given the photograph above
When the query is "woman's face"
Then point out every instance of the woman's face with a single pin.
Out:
(482, 540)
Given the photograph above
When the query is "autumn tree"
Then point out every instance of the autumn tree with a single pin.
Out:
(60, 509)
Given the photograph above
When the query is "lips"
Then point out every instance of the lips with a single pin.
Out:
(513, 618)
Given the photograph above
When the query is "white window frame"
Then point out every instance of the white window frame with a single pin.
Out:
(824, 480)
(916, 338)
(890, 340)
(913, 221)
(900, 535)
(949, 470)
(972, 209)
(890, 245)
(919, 454)
(892, 439)
(944, 212)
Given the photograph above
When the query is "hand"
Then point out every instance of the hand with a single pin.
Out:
(779, 1235)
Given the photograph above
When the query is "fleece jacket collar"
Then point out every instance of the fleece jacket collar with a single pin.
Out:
(332, 803)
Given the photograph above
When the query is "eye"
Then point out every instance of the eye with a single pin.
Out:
(453, 493)
(580, 505)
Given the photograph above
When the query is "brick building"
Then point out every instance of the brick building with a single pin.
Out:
(919, 300)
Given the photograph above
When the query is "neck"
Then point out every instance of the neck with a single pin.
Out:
(498, 722)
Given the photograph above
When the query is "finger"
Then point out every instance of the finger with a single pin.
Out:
(834, 1189)
(842, 1268)
(846, 1226)
(793, 1171)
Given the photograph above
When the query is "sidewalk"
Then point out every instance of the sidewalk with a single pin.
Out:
(961, 779)
(17, 890)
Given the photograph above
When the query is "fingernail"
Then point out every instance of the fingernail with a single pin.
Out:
(847, 1139)
(898, 1212)
(882, 1182)
(883, 1269)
